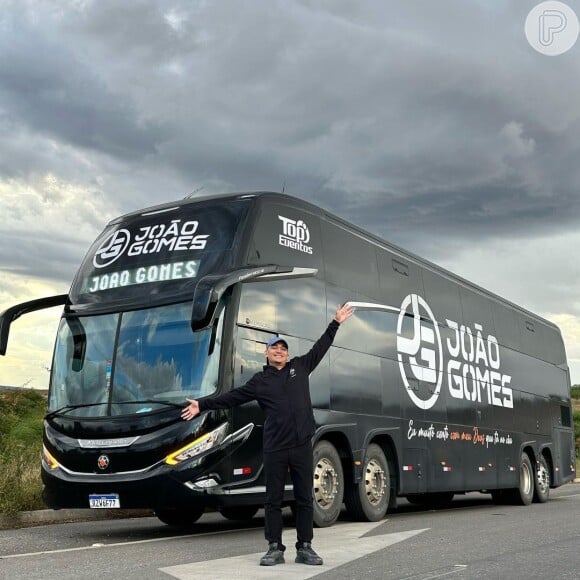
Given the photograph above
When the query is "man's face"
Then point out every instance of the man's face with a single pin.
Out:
(277, 354)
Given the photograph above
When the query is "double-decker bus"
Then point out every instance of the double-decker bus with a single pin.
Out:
(435, 387)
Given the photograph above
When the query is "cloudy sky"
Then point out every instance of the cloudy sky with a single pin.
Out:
(432, 124)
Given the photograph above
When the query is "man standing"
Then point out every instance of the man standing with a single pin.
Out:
(282, 390)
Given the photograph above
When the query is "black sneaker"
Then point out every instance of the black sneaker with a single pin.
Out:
(273, 556)
(306, 555)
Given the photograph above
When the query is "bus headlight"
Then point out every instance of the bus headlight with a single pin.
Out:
(50, 461)
(201, 444)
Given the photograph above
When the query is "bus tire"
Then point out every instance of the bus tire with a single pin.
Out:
(368, 500)
(524, 493)
(239, 513)
(542, 481)
(180, 518)
(328, 484)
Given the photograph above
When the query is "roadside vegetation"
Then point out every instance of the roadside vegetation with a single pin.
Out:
(576, 409)
(21, 415)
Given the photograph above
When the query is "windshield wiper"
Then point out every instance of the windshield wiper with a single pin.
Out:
(70, 408)
(67, 408)
(156, 401)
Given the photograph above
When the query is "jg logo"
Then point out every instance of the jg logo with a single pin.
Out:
(420, 352)
(113, 247)
(552, 28)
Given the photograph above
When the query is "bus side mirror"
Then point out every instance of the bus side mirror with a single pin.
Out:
(11, 314)
(203, 308)
(79, 343)
(210, 289)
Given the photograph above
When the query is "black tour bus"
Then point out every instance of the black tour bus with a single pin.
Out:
(435, 387)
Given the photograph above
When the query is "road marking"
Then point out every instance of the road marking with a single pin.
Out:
(338, 545)
(442, 573)
(130, 543)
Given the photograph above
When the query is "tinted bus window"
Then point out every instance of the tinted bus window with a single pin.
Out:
(295, 307)
(398, 278)
(161, 253)
(443, 297)
(477, 311)
(506, 324)
(351, 262)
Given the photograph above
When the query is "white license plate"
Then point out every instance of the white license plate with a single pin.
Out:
(104, 501)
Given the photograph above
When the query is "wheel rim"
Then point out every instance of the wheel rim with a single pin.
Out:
(374, 482)
(543, 476)
(526, 479)
(326, 483)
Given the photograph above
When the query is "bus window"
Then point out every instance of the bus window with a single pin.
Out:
(134, 363)
(88, 384)
(294, 307)
(159, 357)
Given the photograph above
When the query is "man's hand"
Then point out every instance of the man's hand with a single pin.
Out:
(191, 410)
(343, 313)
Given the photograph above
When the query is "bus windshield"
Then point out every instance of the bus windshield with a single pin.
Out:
(132, 362)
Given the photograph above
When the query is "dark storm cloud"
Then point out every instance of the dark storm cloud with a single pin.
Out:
(36, 256)
(473, 214)
(44, 87)
(414, 120)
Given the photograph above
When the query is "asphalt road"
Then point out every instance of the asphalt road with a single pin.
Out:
(472, 539)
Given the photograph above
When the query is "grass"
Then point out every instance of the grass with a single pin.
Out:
(21, 415)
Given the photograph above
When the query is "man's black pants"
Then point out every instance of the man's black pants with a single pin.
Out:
(276, 465)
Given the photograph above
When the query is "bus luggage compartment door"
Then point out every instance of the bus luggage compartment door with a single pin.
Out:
(414, 471)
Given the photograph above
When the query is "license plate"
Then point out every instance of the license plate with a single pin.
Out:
(104, 501)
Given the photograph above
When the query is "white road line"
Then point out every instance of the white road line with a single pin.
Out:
(149, 541)
(456, 568)
(338, 545)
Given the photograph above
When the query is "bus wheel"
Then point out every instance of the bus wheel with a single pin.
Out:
(328, 484)
(524, 494)
(180, 518)
(542, 481)
(368, 500)
(239, 513)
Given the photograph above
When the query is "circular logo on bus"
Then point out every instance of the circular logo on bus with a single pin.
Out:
(419, 351)
(112, 248)
(103, 462)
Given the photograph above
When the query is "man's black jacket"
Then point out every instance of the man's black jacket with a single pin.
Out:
(283, 395)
